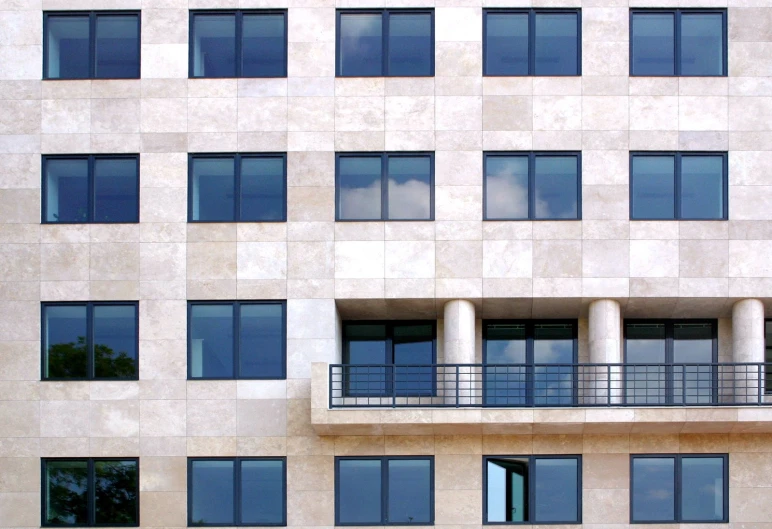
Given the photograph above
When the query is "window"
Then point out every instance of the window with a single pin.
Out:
(86, 341)
(96, 189)
(388, 186)
(91, 45)
(679, 488)
(683, 186)
(237, 187)
(238, 43)
(384, 490)
(237, 340)
(687, 42)
(532, 489)
(532, 42)
(90, 492)
(385, 42)
(529, 363)
(237, 491)
(535, 186)
(670, 362)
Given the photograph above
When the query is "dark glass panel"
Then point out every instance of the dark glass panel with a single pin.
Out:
(653, 494)
(359, 491)
(366, 344)
(262, 492)
(117, 47)
(262, 189)
(67, 47)
(212, 193)
(702, 187)
(115, 492)
(115, 341)
(410, 44)
(557, 43)
(212, 496)
(409, 187)
(115, 190)
(506, 44)
(66, 493)
(261, 352)
(64, 341)
(214, 45)
(360, 46)
(645, 344)
(702, 44)
(555, 187)
(359, 188)
(653, 44)
(702, 489)
(263, 46)
(653, 182)
(556, 490)
(413, 346)
(553, 384)
(507, 490)
(506, 187)
(692, 343)
(211, 341)
(505, 384)
(409, 491)
(67, 190)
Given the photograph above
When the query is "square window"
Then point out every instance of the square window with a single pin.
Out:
(91, 45)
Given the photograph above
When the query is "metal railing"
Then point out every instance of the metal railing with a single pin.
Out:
(548, 385)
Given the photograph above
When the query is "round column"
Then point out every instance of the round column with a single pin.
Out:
(459, 382)
(748, 346)
(603, 384)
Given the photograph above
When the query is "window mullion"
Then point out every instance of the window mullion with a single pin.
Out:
(90, 361)
(677, 35)
(92, 46)
(531, 484)
(531, 42)
(385, 491)
(237, 188)
(90, 492)
(677, 182)
(384, 187)
(677, 488)
(237, 491)
(236, 340)
(238, 20)
(531, 185)
(385, 43)
(91, 189)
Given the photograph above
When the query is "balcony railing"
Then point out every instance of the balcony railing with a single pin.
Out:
(548, 385)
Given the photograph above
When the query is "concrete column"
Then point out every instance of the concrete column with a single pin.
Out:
(748, 346)
(458, 346)
(603, 385)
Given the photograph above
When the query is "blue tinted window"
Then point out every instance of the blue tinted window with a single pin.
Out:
(556, 44)
(409, 493)
(115, 189)
(115, 341)
(67, 47)
(702, 44)
(117, 47)
(359, 187)
(556, 484)
(359, 491)
(211, 492)
(653, 187)
(556, 190)
(261, 341)
(653, 494)
(702, 489)
(410, 44)
(66, 184)
(702, 187)
(264, 45)
(262, 189)
(214, 45)
(116, 492)
(262, 492)
(212, 189)
(409, 187)
(506, 43)
(653, 44)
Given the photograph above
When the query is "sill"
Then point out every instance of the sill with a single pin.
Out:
(135, 379)
(205, 78)
(338, 76)
(236, 221)
(386, 220)
(53, 223)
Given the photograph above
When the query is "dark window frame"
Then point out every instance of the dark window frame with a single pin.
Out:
(384, 155)
(239, 15)
(237, 157)
(678, 155)
(532, 155)
(236, 345)
(90, 490)
(677, 486)
(90, 159)
(89, 338)
(531, 488)
(384, 488)
(532, 12)
(236, 490)
(92, 14)
(676, 12)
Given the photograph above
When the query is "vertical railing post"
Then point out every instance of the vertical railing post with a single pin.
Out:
(760, 388)
(458, 383)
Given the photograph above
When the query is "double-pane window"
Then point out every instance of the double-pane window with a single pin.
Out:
(679, 488)
(240, 187)
(89, 341)
(97, 189)
(236, 340)
(685, 42)
(238, 43)
(384, 491)
(385, 42)
(90, 492)
(532, 489)
(388, 186)
(687, 186)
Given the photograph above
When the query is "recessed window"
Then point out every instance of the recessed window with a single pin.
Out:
(95, 189)
(686, 42)
(237, 491)
(237, 340)
(532, 42)
(683, 186)
(84, 341)
(384, 491)
(240, 187)
(535, 185)
(238, 43)
(532, 489)
(679, 488)
(91, 45)
(385, 42)
(90, 492)
(388, 186)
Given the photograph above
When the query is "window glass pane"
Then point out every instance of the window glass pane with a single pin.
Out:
(115, 341)
(693, 343)
(360, 48)
(553, 384)
(409, 491)
(506, 187)
(506, 44)
(505, 384)
(214, 46)
(653, 44)
(414, 345)
(115, 190)
(263, 46)
(702, 187)
(556, 42)
(702, 44)
(66, 495)
(645, 344)
(117, 46)
(653, 187)
(65, 341)
(211, 341)
(507, 492)
(702, 489)
(365, 344)
(212, 495)
(67, 46)
(262, 492)
(555, 187)
(115, 492)
(212, 189)
(262, 189)
(67, 190)
(261, 352)
(409, 187)
(359, 188)
(653, 493)
(410, 44)
(557, 492)
(359, 491)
